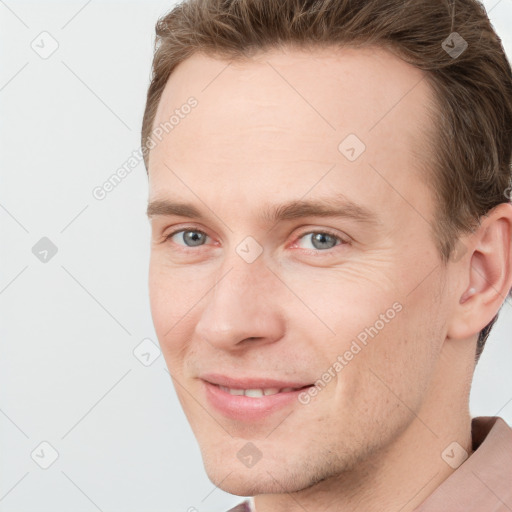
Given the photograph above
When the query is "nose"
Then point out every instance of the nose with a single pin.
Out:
(242, 307)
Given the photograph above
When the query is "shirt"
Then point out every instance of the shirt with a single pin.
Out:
(483, 483)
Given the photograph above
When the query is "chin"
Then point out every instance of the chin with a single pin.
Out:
(268, 476)
(226, 472)
(244, 483)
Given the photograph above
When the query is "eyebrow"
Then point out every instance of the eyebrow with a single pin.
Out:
(339, 207)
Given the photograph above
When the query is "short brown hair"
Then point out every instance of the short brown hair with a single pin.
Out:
(471, 151)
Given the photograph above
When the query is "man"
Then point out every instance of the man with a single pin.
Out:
(331, 244)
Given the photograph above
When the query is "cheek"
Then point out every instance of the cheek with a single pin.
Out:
(387, 337)
(160, 294)
(399, 361)
(173, 293)
(171, 299)
(347, 299)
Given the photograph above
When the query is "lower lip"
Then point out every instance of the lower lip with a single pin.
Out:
(246, 408)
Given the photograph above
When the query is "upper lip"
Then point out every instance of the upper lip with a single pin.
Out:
(250, 382)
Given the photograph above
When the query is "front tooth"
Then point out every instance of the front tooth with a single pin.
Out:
(255, 393)
(237, 392)
(271, 391)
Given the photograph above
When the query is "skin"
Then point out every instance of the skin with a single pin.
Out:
(266, 131)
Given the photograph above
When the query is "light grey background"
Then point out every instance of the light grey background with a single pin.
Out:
(68, 375)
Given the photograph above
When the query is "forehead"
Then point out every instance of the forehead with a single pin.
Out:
(279, 118)
(352, 81)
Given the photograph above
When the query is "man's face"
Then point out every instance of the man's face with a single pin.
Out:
(243, 300)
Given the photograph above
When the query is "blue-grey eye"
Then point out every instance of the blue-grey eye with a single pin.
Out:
(191, 238)
(320, 240)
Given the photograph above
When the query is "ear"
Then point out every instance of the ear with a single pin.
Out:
(487, 274)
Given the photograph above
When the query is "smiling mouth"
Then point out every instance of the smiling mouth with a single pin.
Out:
(259, 392)
(251, 400)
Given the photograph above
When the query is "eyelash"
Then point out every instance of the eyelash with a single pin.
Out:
(301, 235)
